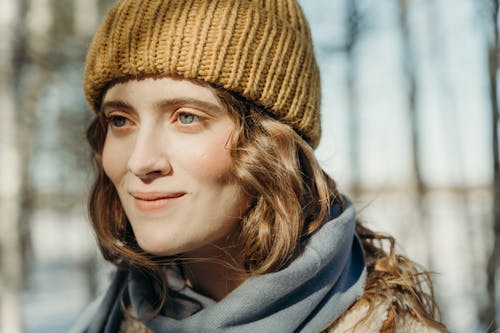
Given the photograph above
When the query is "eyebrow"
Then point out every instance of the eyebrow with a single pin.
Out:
(116, 104)
(164, 103)
(187, 101)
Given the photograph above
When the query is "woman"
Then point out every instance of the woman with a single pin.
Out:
(208, 197)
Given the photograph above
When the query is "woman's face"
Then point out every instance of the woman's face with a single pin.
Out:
(166, 152)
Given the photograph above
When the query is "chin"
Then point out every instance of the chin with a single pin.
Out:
(159, 248)
(160, 251)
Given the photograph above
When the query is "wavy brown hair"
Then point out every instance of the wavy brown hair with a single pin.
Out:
(290, 199)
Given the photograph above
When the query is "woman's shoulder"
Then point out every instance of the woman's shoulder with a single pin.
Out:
(377, 317)
(398, 295)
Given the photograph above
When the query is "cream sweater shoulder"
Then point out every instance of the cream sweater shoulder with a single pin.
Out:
(354, 321)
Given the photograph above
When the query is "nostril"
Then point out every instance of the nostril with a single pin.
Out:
(151, 168)
(151, 176)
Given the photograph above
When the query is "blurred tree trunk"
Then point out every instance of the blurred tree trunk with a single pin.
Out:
(412, 93)
(10, 258)
(84, 25)
(353, 31)
(489, 313)
(450, 128)
(354, 22)
(24, 77)
(37, 43)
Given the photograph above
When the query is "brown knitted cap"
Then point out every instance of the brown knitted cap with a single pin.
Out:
(260, 49)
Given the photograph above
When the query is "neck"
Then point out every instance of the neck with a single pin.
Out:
(214, 270)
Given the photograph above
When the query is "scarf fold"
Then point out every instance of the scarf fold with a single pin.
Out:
(306, 296)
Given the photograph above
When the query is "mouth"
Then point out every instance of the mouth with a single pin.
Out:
(153, 201)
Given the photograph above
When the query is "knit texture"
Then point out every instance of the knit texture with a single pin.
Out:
(260, 49)
(354, 320)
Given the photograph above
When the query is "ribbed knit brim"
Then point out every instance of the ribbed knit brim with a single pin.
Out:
(260, 49)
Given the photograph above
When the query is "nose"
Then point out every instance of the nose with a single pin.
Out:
(149, 158)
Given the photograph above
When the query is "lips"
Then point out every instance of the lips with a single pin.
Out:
(153, 201)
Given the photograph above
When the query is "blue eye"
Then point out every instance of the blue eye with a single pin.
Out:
(187, 119)
(117, 121)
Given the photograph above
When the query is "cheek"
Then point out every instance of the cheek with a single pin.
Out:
(215, 164)
(210, 160)
(114, 163)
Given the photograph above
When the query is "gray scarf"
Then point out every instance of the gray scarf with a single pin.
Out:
(307, 296)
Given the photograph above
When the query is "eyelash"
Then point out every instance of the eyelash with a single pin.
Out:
(111, 119)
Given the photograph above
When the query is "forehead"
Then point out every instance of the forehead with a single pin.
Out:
(150, 89)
